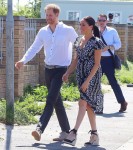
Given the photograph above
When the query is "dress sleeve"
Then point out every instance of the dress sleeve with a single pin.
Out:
(77, 42)
(99, 44)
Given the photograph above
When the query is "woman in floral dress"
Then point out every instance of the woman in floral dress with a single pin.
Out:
(88, 74)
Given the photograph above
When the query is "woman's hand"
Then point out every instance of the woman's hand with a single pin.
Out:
(65, 77)
(84, 86)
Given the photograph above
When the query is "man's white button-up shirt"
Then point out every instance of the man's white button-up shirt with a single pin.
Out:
(57, 45)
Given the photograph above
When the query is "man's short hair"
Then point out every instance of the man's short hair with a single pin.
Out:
(56, 8)
(103, 15)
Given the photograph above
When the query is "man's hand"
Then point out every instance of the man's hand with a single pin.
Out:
(19, 64)
(105, 48)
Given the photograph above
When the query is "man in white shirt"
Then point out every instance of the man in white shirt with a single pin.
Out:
(112, 41)
(57, 39)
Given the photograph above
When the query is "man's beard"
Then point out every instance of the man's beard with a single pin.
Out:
(50, 22)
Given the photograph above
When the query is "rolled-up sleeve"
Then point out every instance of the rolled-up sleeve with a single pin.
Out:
(72, 34)
(116, 40)
(33, 50)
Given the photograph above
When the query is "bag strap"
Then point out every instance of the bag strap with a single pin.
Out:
(106, 44)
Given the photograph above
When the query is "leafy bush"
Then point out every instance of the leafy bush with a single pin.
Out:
(72, 79)
(125, 75)
(69, 92)
(31, 105)
(21, 115)
(37, 93)
(2, 111)
(104, 80)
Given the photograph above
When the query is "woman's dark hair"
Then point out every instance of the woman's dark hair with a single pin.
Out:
(90, 22)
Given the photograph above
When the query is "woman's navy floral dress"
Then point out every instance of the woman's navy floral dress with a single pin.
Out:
(93, 95)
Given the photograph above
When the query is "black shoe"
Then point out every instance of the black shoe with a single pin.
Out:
(123, 106)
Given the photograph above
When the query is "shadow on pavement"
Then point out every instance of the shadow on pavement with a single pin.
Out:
(116, 114)
(60, 146)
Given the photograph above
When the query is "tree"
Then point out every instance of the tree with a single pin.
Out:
(30, 10)
(3, 7)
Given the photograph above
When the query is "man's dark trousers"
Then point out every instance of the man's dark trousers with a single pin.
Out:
(53, 81)
(109, 70)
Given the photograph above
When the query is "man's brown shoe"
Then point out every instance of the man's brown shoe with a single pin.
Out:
(37, 135)
(61, 137)
(123, 106)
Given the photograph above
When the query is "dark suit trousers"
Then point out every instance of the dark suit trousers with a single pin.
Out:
(53, 79)
(109, 71)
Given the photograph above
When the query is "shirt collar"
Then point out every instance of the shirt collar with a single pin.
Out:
(58, 25)
(104, 30)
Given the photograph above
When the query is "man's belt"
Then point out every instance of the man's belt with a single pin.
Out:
(54, 66)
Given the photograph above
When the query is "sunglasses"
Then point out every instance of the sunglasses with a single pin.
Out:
(100, 20)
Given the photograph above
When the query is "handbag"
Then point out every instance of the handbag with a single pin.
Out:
(116, 58)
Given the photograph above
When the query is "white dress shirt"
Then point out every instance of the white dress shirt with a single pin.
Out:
(57, 45)
(111, 37)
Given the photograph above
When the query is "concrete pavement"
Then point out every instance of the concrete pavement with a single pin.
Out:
(115, 129)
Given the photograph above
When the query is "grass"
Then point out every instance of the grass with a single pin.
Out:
(21, 115)
(125, 75)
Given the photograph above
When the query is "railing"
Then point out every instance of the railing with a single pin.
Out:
(1, 39)
(30, 32)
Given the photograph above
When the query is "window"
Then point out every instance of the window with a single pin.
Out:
(130, 19)
(73, 15)
(116, 17)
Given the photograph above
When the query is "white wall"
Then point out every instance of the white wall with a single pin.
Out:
(92, 8)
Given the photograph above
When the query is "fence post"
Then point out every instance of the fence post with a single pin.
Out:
(126, 43)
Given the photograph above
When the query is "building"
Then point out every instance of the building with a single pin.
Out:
(77, 9)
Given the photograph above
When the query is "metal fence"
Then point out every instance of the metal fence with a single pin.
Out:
(1, 39)
(30, 32)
